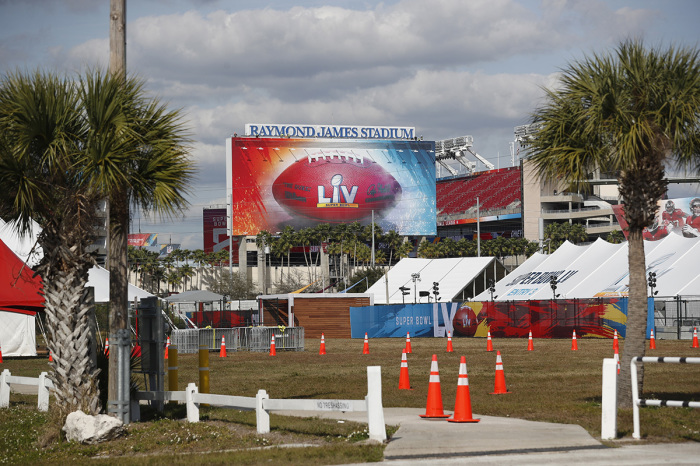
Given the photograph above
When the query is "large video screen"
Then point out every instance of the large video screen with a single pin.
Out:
(275, 182)
(680, 216)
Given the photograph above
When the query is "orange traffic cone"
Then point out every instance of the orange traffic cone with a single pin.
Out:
(695, 338)
(433, 408)
(322, 349)
(365, 347)
(616, 358)
(499, 386)
(222, 353)
(50, 356)
(167, 345)
(652, 340)
(404, 383)
(107, 347)
(273, 351)
(463, 402)
(408, 343)
(489, 343)
(616, 343)
(574, 343)
(450, 349)
(530, 346)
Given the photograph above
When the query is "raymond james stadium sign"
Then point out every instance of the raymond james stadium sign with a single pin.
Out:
(330, 131)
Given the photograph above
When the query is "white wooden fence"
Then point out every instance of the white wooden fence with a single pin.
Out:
(263, 404)
(43, 384)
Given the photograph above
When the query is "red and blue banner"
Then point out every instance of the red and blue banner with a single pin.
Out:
(596, 317)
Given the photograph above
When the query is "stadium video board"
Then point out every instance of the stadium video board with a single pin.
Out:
(276, 182)
(680, 216)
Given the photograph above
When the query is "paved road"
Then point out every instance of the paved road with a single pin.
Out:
(507, 441)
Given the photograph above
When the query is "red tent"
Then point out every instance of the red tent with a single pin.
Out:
(19, 290)
(19, 303)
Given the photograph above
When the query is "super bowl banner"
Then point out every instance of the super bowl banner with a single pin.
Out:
(515, 319)
(276, 182)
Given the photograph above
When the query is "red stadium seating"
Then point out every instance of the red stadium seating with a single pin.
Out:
(496, 189)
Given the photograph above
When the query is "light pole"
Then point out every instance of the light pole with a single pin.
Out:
(416, 278)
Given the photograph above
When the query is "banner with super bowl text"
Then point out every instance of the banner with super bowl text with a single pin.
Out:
(279, 182)
(598, 318)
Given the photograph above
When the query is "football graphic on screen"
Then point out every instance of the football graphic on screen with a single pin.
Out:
(336, 187)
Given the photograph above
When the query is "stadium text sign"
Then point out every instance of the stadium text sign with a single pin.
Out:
(329, 131)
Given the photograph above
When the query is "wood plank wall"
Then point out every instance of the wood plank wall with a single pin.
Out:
(330, 316)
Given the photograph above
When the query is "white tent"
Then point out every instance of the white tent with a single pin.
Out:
(99, 279)
(453, 275)
(601, 269)
(17, 334)
(26, 247)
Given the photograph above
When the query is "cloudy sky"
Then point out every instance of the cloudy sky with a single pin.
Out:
(446, 67)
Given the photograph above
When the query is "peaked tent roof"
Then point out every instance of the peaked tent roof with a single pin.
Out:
(453, 275)
(601, 269)
(25, 247)
(99, 279)
(19, 289)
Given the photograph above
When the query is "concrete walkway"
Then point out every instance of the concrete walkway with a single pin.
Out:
(505, 441)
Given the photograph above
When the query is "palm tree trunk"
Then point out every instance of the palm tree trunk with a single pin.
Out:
(635, 334)
(118, 286)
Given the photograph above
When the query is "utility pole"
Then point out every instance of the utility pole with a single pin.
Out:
(118, 399)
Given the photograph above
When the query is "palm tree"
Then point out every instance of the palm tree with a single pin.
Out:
(630, 112)
(44, 177)
(137, 153)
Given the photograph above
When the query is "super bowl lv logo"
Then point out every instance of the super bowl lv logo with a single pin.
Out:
(340, 196)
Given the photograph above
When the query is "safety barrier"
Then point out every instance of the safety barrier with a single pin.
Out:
(263, 404)
(42, 383)
(637, 402)
(239, 338)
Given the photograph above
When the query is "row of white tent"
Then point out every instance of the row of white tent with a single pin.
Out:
(601, 269)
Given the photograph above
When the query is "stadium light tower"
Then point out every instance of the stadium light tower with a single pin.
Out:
(416, 278)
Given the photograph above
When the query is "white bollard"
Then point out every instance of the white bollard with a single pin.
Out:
(192, 408)
(43, 402)
(608, 424)
(4, 389)
(375, 410)
(262, 417)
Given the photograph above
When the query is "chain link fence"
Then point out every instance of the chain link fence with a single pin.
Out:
(239, 338)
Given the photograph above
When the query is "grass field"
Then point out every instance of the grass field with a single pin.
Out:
(551, 383)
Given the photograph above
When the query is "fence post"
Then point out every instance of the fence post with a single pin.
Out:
(262, 417)
(375, 411)
(192, 408)
(4, 389)
(608, 425)
(43, 392)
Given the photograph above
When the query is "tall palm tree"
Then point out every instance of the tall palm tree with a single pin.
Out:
(43, 177)
(630, 112)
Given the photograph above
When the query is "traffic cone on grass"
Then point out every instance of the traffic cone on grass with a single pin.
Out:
(616, 343)
(167, 345)
(450, 349)
(652, 340)
(322, 349)
(499, 386)
(50, 356)
(695, 338)
(489, 343)
(433, 408)
(574, 343)
(408, 343)
(365, 347)
(222, 353)
(463, 402)
(616, 358)
(530, 346)
(273, 351)
(107, 347)
(404, 383)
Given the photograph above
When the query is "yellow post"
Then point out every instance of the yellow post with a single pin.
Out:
(203, 369)
(172, 370)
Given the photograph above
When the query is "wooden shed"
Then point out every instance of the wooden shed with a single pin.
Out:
(327, 313)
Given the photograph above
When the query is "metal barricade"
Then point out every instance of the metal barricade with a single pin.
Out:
(240, 338)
